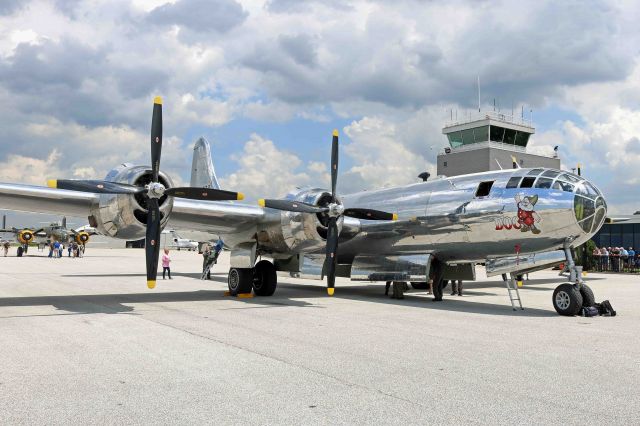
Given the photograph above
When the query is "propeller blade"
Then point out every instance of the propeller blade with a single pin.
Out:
(152, 242)
(332, 254)
(94, 186)
(204, 194)
(334, 164)
(292, 206)
(156, 137)
(370, 214)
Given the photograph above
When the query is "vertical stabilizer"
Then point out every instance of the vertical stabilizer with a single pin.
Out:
(202, 173)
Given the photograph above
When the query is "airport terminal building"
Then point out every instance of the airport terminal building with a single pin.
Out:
(622, 232)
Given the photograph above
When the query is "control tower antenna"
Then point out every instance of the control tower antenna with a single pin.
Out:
(478, 93)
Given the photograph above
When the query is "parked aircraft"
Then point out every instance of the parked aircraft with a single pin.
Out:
(514, 221)
(55, 231)
(173, 240)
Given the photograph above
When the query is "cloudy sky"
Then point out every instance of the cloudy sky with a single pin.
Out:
(266, 82)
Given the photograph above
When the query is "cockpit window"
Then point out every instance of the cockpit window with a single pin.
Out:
(550, 173)
(544, 183)
(569, 177)
(584, 208)
(534, 172)
(513, 182)
(563, 186)
(527, 182)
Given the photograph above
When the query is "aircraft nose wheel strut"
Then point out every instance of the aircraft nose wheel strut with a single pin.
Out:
(569, 298)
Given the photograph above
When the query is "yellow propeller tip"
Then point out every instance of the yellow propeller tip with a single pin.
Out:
(330, 291)
(240, 196)
(52, 183)
(157, 100)
(513, 158)
(335, 132)
(395, 216)
(261, 202)
(151, 284)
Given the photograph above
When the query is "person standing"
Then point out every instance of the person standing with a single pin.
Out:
(166, 261)
(456, 289)
(632, 258)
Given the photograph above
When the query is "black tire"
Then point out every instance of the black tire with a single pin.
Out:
(567, 299)
(420, 285)
(20, 251)
(588, 299)
(265, 278)
(240, 280)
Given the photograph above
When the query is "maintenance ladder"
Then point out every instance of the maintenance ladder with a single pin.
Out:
(512, 289)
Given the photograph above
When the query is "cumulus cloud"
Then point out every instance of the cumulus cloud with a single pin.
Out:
(266, 171)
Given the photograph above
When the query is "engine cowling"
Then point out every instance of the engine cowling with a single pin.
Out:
(82, 237)
(299, 231)
(125, 216)
(25, 236)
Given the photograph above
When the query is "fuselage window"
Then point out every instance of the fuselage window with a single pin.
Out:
(484, 188)
(544, 183)
(513, 182)
(527, 182)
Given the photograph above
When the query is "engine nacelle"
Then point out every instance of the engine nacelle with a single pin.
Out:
(125, 216)
(25, 236)
(300, 231)
(82, 237)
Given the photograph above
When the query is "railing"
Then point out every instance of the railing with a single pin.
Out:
(489, 144)
(493, 115)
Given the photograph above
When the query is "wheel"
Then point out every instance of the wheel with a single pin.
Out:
(265, 279)
(20, 251)
(418, 285)
(588, 299)
(240, 280)
(567, 299)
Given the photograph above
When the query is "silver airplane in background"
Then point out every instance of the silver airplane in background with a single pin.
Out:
(513, 221)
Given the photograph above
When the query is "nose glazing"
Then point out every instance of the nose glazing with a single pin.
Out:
(589, 207)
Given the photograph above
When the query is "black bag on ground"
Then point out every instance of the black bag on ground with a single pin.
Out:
(590, 311)
(606, 309)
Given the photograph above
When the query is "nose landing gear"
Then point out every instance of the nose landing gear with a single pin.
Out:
(570, 298)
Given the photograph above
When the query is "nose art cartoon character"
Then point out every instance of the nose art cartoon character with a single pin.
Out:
(527, 217)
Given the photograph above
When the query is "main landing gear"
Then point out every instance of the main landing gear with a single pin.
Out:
(262, 279)
(570, 298)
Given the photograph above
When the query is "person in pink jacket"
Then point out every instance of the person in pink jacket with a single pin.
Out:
(166, 260)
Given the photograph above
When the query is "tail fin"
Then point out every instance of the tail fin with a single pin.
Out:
(64, 221)
(202, 173)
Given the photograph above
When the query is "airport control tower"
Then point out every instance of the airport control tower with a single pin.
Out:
(489, 141)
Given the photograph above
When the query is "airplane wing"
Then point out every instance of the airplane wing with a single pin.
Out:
(207, 216)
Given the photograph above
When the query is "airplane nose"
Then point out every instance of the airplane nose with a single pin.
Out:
(589, 206)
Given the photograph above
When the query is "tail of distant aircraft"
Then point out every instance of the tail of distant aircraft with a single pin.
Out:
(203, 174)
(64, 222)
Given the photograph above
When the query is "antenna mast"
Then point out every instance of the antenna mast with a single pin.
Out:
(478, 93)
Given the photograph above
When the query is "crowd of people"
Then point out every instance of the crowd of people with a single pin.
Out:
(57, 249)
(616, 259)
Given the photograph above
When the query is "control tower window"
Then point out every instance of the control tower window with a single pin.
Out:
(455, 139)
(497, 133)
(467, 137)
(509, 136)
(522, 138)
(481, 134)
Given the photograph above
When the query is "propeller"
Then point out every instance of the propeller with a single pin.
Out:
(152, 191)
(334, 210)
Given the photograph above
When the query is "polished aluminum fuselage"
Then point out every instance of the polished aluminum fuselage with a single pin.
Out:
(446, 217)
